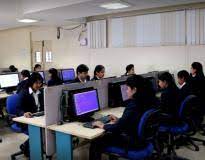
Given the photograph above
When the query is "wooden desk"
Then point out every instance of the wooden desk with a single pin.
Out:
(35, 126)
(65, 132)
(4, 95)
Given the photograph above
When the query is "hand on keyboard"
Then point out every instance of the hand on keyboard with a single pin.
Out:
(98, 124)
(113, 118)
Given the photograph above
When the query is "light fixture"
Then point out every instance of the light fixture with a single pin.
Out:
(114, 5)
(27, 20)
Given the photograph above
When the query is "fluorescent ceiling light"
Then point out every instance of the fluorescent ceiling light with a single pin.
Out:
(114, 5)
(27, 20)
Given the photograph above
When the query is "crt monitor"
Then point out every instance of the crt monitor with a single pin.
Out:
(68, 75)
(124, 94)
(42, 75)
(115, 97)
(9, 80)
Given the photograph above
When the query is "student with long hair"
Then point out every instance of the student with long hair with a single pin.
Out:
(135, 107)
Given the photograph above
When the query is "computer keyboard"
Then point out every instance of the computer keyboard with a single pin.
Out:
(104, 120)
(38, 114)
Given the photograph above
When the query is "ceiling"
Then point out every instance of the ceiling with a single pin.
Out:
(67, 12)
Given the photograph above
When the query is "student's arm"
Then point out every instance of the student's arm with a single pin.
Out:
(126, 119)
(20, 110)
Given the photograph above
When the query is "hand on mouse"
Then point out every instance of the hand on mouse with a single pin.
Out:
(98, 124)
(28, 114)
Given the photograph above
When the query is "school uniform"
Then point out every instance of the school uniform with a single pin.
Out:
(95, 78)
(30, 101)
(184, 91)
(169, 102)
(54, 82)
(22, 85)
(127, 124)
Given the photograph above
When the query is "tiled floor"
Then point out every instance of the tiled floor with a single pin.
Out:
(11, 142)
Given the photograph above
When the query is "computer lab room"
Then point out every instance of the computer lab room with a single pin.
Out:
(102, 80)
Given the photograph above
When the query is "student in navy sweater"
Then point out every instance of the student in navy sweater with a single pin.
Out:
(184, 82)
(197, 82)
(82, 74)
(137, 104)
(30, 101)
(54, 78)
(99, 72)
(169, 102)
(31, 97)
(25, 75)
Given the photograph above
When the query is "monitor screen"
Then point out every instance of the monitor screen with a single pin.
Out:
(123, 89)
(68, 74)
(9, 80)
(42, 75)
(86, 102)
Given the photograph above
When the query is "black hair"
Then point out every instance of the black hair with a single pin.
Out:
(25, 73)
(12, 68)
(35, 77)
(54, 73)
(129, 67)
(98, 68)
(145, 92)
(183, 74)
(36, 66)
(199, 69)
(166, 76)
(82, 68)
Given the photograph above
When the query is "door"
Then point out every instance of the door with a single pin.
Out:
(42, 54)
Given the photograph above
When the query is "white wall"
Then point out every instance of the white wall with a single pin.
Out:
(68, 53)
(15, 48)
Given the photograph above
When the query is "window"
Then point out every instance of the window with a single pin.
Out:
(48, 56)
(38, 57)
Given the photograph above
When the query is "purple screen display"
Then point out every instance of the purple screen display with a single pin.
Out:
(124, 92)
(68, 74)
(86, 102)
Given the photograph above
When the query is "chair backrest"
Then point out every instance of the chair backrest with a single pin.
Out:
(11, 104)
(191, 109)
(148, 125)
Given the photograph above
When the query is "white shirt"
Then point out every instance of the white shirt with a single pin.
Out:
(25, 78)
(35, 96)
(182, 85)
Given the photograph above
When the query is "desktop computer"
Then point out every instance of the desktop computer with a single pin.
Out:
(9, 81)
(42, 75)
(79, 105)
(68, 75)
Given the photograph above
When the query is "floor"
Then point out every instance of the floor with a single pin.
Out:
(11, 142)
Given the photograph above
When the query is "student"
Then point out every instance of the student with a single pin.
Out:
(169, 101)
(30, 101)
(130, 69)
(31, 98)
(12, 68)
(82, 74)
(99, 72)
(135, 107)
(25, 75)
(37, 68)
(185, 87)
(197, 79)
(54, 78)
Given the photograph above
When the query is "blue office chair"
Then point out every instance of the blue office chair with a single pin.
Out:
(185, 126)
(146, 133)
(11, 107)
